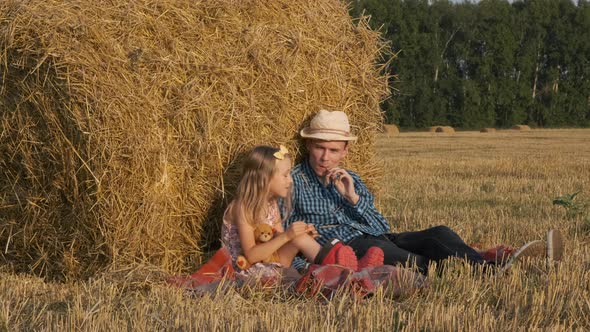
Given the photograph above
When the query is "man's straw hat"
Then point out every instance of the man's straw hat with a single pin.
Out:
(329, 126)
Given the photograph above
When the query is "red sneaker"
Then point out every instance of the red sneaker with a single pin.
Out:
(327, 254)
(346, 257)
(331, 257)
(373, 257)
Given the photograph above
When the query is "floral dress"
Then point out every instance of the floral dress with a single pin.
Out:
(230, 238)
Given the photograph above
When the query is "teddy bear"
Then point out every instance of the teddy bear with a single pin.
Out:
(262, 233)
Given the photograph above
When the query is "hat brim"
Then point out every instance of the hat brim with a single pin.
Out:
(305, 133)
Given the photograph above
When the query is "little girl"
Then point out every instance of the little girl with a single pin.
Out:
(266, 177)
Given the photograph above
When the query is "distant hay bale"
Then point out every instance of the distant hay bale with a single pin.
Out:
(441, 129)
(521, 127)
(123, 125)
(488, 130)
(390, 130)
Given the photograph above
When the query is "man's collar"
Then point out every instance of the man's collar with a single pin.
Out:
(310, 173)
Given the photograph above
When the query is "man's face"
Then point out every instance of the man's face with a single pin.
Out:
(325, 155)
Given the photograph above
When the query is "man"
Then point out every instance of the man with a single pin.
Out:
(339, 205)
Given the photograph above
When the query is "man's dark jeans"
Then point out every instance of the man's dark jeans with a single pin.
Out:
(432, 244)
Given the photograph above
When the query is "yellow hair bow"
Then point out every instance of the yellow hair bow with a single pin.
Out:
(280, 155)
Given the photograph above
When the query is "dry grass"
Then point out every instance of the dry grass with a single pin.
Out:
(491, 189)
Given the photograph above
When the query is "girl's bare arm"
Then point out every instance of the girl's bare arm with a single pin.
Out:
(257, 252)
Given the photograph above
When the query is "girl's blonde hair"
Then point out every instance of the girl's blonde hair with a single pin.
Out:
(251, 196)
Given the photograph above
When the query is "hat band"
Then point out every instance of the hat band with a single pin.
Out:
(328, 131)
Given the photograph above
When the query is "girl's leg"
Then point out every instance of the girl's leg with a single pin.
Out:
(304, 243)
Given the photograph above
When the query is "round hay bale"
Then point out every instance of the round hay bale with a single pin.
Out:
(123, 125)
(442, 129)
(488, 130)
(433, 129)
(390, 130)
(521, 127)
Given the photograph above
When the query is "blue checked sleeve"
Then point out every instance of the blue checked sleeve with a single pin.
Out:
(364, 211)
(299, 263)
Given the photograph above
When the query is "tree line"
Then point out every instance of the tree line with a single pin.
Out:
(485, 64)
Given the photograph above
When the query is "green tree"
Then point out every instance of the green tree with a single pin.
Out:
(490, 63)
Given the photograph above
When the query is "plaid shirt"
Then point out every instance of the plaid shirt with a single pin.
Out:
(332, 215)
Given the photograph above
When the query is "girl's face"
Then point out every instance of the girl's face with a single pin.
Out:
(281, 180)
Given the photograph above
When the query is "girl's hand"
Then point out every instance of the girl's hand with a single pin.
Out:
(295, 229)
(312, 231)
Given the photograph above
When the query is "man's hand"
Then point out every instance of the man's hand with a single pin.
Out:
(344, 184)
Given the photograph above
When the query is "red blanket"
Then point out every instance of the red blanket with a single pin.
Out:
(323, 280)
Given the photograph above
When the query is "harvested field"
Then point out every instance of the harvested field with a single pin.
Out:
(491, 189)
(487, 130)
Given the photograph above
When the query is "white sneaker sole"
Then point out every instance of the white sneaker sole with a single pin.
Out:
(554, 245)
(532, 249)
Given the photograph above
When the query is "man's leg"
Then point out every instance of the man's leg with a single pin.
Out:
(392, 254)
(436, 243)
